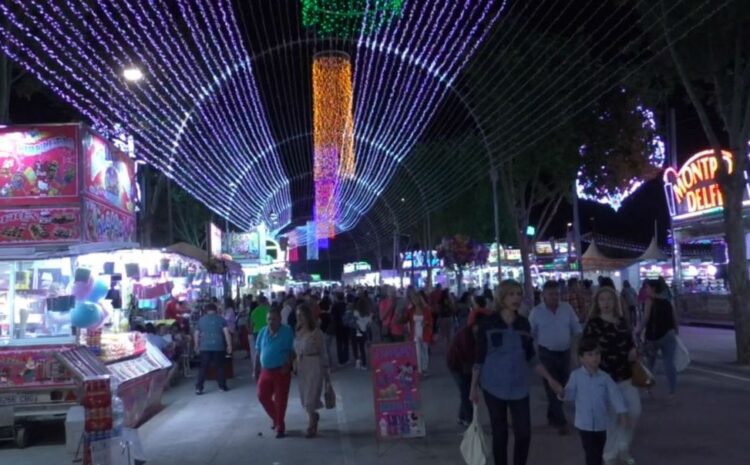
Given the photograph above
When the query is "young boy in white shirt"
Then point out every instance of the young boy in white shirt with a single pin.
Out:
(593, 391)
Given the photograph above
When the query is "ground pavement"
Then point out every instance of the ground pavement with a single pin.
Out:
(707, 422)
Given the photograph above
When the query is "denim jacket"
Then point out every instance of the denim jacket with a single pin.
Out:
(504, 354)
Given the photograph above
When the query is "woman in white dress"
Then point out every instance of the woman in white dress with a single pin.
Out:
(311, 365)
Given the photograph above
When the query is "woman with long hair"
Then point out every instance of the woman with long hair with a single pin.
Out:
(311, 365)
(420, 328)
(505, 349)
(608, 326)
(660, 322)
(362, 322)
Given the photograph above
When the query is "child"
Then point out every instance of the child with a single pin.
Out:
(593, 390)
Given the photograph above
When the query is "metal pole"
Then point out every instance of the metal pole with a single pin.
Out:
(429, 251)
(577, 231)
(496, 207)
(170, 219)
(676, 252)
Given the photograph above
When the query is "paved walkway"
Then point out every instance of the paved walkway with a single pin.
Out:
(707, 422)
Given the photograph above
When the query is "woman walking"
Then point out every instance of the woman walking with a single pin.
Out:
(660, 322)
(311, 365)
(610, 329)
(504, 350)
(361, 323)
(420, 328)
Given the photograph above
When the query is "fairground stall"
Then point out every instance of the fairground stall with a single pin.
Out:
(360, 274)
(64, 192)
(696, 206)
(262, 259)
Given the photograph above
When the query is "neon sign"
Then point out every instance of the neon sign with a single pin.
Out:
(694, 190)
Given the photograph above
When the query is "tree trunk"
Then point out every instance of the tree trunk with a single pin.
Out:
(5, 85)
(739, 283)
(528, 284)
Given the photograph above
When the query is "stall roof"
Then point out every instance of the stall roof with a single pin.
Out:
(653, 253)
(593, 259)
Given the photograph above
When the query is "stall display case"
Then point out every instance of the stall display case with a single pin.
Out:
(139, 375)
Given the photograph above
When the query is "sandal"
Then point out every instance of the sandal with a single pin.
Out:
(312, 430)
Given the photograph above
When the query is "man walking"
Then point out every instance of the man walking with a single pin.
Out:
(275, 347)
(553, 325)
(213, 341)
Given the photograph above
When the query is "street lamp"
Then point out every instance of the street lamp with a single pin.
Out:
(132, 74)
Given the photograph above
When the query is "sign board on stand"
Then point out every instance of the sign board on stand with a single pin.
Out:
(395, 378)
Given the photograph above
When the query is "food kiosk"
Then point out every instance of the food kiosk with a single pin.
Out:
(64, 192)
(696, 208)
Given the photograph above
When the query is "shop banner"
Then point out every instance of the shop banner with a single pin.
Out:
(31, 368)
(107, 224)
(395, 378)
(38, 164)
(243, 246)
(110, 173)
(40, 225)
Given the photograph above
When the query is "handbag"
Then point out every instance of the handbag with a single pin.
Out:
(681, 355)
(329, 395)
(474, 448)
(641, 376)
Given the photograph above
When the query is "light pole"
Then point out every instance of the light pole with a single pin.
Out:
(577, 231)
(496, 207)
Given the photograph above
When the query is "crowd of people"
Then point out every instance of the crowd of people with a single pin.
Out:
(492, 339)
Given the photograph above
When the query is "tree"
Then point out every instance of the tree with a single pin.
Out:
(713, 65)
(190, 218)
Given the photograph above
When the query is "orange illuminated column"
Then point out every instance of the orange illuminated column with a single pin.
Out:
(333, 138)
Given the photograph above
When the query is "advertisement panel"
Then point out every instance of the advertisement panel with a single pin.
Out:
(38, 165)
(104, 223)
(395, 378)
(243, 246)
(109, 173)
(214, 240)
(39, 225)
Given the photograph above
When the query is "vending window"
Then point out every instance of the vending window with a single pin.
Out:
(35, 303)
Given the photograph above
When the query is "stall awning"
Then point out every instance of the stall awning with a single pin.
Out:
(594, 260)
(653, 253)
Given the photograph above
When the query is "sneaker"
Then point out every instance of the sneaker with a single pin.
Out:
(224, 389)
(199, 392)
(627, 459)
(280, 434)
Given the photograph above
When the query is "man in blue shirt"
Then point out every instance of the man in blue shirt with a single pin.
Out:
(553, 326)
(275, 348)
(214, 343)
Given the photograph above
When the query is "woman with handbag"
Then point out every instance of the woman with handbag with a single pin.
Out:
(608, 326)
(311, 365)
(660, 322)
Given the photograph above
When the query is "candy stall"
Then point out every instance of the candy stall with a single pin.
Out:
(65, 192)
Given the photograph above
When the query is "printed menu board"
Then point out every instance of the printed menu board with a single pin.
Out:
(40, 225)
(395, 378)
(38, 164)
(110, 173)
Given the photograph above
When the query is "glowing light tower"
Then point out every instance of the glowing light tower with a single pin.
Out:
(333, 136)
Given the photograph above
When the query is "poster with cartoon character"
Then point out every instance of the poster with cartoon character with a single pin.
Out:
(110, 173)
(395, 377)
(103, 223)
(40, 225)
(38, 164)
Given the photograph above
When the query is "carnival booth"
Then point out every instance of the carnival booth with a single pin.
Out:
(64, 192)
(696, 206)
(595, 264)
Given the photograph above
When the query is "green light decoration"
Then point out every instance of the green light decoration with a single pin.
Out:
(347, 18)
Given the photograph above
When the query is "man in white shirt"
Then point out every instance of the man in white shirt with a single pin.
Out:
(553, 326)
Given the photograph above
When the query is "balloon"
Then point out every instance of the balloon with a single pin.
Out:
(104, 314)
(98, 290)
(82, 289)
(85, 314)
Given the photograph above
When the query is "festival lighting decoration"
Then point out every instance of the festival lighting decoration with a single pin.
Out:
(195, 114)
(615, 197)
(402, 74)
(349, 18)
(332, 134)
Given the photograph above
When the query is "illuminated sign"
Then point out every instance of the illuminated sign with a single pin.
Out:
(694, 190)
(544, 248)
(357, 266)
(513, 255)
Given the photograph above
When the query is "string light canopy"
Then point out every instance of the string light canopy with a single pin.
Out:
(192, 105)
(349, 18)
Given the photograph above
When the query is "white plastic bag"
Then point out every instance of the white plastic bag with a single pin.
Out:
(681, 355)
(474, 445)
